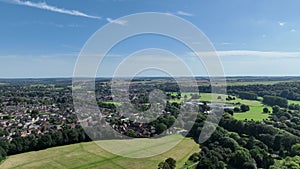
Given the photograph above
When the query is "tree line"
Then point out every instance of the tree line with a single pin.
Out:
(35, 142)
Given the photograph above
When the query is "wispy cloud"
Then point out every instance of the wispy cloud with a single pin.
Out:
(45, 6)
(293, 30)
(250, 53)
(65, 25)
(226, 43)
(118, 21)
(184, 13)
(281, 23)
(54, 24)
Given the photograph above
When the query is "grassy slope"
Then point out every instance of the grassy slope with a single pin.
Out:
(89, 155)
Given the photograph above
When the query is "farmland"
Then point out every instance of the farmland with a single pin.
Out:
(89, 155)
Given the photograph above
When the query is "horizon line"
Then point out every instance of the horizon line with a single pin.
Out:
(109, 77)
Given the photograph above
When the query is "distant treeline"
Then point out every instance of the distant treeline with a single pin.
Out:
(288, 90)
(274, 100)
(247, 95)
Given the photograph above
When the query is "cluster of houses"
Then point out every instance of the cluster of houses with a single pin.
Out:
(23, 119)
(50, 110)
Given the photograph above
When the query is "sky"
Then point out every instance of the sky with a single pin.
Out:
(43, 38)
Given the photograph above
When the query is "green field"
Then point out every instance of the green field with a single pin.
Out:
(182, 97)
(89, 155)
(115, 103)
(256, 107)
(255, 113)
(293, 102)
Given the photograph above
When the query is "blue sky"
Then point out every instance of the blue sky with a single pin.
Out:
(252, 37)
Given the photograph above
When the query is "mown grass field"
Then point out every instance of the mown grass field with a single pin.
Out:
(89, 155)
(256, 107)
(293, 102)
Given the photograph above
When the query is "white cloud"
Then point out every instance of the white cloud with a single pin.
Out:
(45, 6)
(250, 53)
(226, 43)
(293, 30)
(119, 22)
(281, 23)
(184, 13)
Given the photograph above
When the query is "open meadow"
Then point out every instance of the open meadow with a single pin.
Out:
(89, 155)
(256, 107)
